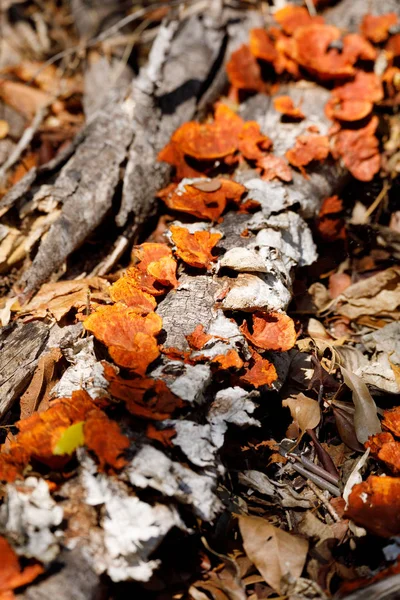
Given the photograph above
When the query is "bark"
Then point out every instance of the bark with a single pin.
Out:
(282, 207)
(21, 346)
(84, 177)
(387, 589)
(73, 578)
(133, 124)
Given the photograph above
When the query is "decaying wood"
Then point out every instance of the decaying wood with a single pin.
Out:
(387, 589)
(21, 346)
(278, 236)
(164, 96)
(73, 578)
(255, 273)
(84, 188)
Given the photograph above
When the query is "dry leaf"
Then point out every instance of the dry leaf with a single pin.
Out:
(366, 421)
(24, 98)
(376, 295)
(36, 397)
(305, 412)
(4, 129)
(58, 298)
(273, 551)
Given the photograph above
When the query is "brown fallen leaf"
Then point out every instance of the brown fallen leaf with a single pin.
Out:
(36, 397)
(305, 411)
(60, 297)
(4, 129)
(273, 551)
(366, 421)
(24, 98)
(376, 295)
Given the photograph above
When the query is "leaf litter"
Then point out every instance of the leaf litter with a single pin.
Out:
(211, 345)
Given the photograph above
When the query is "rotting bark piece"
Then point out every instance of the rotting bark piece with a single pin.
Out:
(315, 195)
(324, 178)
(76, 579)
(21, 346)
(185, 308)
(151, 468)
(188, 382)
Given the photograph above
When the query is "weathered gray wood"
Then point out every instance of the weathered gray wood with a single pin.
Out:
(74, 580)
(348, 13)
(194, 302)
(20, 348)
(85, 188)
(185, 308)
(164, 96)
(387, 589)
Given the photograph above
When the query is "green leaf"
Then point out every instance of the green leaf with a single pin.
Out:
(70, 440)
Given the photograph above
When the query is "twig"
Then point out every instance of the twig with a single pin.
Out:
(316, 469)
(377, 201)
(319, 481)
(24, 142)
(107, 33)
(311, 7)
(105, 266)
(289, 520)
(324, 501)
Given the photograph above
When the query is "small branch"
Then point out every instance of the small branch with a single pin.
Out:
(324, 501)
(24, 142)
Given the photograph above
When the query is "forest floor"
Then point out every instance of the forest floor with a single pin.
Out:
(200, 300)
